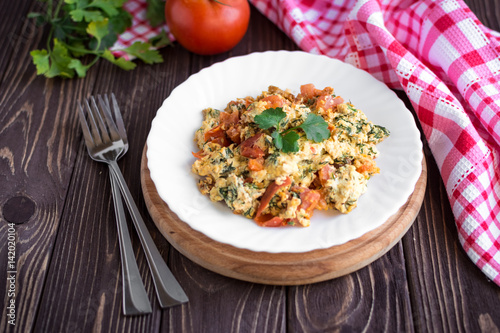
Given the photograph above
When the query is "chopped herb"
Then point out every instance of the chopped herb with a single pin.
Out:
(227, 170)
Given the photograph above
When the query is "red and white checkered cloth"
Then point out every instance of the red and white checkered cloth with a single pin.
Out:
(449, 66)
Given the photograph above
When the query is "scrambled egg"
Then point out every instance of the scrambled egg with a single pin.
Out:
(240, 165)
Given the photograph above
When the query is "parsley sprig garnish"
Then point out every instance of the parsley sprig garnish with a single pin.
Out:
(315, 128)
(82, 32)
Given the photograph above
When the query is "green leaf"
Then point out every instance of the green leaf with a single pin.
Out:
(120, 62)
(144, 52)
(108, 41)
(108, 7)
(290, 144)
(120, 22)
(88, 27)
(160, 40)
(41, 61)
(98, 29)
(277, 140)
(79, 15)
(155, 12)
(80, 68)
(59, 62)
(315, 127)
(117, 3)
(270, 118)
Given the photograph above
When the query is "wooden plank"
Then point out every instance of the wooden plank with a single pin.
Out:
(18, 30)
(373, 299)
(37, 152)
(221, 304)
(487, 12)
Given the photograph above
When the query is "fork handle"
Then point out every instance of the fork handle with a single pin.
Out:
(168, 289)
(135, 298)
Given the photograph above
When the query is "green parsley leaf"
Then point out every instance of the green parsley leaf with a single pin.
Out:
(144, 52)
(82, 28)
(290, 142)
(41, 61)
(120, 22)
(59, 62)
(315, 127)
(106, 6)
(120, 62)
(155, 12)
(160, 40)
(277, 140)
(98, 29)
(79, 15)
(79, 68)
(270, 118)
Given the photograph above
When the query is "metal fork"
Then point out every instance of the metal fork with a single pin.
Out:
(106, 141)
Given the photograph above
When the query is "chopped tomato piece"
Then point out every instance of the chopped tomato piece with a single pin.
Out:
(234, 133)
(214, 133)
(328, 102)
(309, 90)
(274, 101)
(217, 135)
(199, 155)
(228, 119)
(325, 173)
(252, 152)
(256, 164)
(249, 149)
(309, 198)
(271, 190)
(223, 141)
(366, 166)
(269, 221)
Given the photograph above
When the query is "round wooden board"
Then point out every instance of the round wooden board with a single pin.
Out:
(280, 268)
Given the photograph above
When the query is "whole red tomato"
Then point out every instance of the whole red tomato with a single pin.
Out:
(207, 26)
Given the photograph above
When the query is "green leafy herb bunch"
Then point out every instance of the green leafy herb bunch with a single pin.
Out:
(83, 31)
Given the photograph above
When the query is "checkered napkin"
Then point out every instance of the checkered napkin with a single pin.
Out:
(448, 64)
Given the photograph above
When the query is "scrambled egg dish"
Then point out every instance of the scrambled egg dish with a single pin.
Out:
(274, 173)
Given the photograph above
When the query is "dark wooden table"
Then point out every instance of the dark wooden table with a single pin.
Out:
(67, 258)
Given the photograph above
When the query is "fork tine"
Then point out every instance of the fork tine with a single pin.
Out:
(96, 136)
(119, 119)
(98, 117)
(106, 113)
(89, 142)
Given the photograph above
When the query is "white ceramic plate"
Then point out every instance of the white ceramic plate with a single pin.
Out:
(170, 143)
